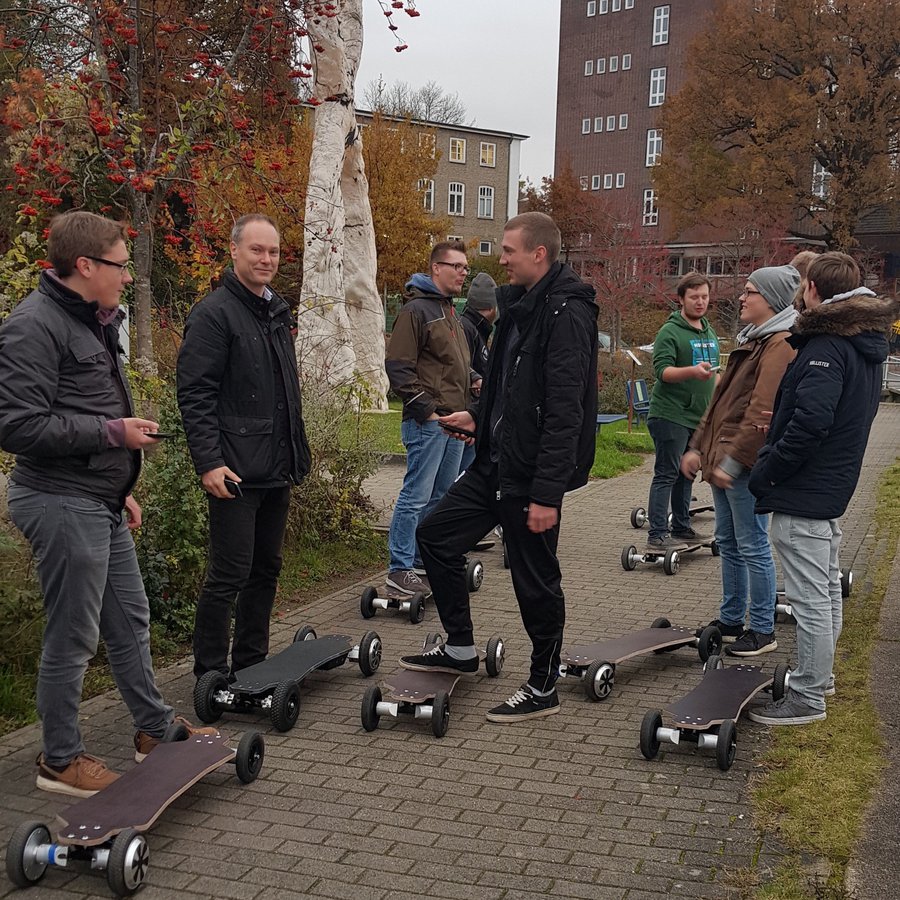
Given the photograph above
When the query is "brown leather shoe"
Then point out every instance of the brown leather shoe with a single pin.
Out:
(144, 743)
(82, 777)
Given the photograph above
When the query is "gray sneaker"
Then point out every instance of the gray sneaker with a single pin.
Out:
(689, 536)
(660, 545)
(789, 710)
(407, 582)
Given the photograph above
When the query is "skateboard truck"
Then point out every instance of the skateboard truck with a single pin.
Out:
(786, 610)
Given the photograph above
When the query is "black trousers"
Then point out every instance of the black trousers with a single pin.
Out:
(465, 514)
(246, 535)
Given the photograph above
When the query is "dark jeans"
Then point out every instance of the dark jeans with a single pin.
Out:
(669, 486)
(466, 513)
(245, 538)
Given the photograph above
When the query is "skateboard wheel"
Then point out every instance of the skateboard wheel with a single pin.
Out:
(638, 517)
(495, 654)
(474, 575)
(305, 633)
(726, 745)
(22, 866)
(649, 742)
(661, 622)
(177, 731)
(599, 680)
(629, 557)
(709, 642)
(440, 714)
(369, 711)
(714, 548)
(367, 602)
(205, 690)
(248, 760)
(369, 653)
(780, 680)
(129, 859)
(846, 582)
(417, 608)
(285, 706)
(670, 562)
(714, 662)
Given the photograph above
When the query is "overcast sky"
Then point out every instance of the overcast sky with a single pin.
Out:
(500, 56)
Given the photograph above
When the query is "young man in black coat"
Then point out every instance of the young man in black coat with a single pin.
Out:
(535, 433)
(239, 395)
(808, 470)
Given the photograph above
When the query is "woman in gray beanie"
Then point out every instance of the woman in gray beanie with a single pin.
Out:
(725, 445)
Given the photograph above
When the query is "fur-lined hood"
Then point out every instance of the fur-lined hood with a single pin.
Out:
(862, 317)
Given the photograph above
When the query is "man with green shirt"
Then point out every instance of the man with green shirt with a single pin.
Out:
(685, 361)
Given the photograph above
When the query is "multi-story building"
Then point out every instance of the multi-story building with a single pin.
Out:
(476, 183)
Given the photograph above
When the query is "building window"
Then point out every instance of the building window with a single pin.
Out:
(583, 181)
(426, 187)
(614, 64)
(454, 237)
(610, 123)
(654, 146)
(485, 248)
(488, 154)
(616, 5)
(623, 121)
(607, 182)
(604, 7)
(601, 65)
(588, 67)
(592, 7)
(485, 202)
(595, 182)
(660, 25)
(657, 86)
(598, 124)
(820, 179)
(651, 213)
(427, 142)
(456, 203)
(626, 61)
(629, 4)
(620, 179)
(458, 150)
(585, 126)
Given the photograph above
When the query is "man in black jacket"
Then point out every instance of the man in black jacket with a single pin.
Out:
(239, 395)
(808, 469)
(535, 434)
(67, 414)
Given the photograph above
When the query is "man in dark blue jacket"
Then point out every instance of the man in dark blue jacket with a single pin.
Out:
(535, 441)
(808, 469)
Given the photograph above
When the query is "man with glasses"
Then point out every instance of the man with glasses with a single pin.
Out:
(66, 412)
(427, 362)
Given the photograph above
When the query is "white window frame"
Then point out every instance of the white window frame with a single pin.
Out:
(585, 126)
(598, 124)
(614, 64)
(654, 146)
(428, 141)
(620, 179)
(592, 8)
(604, 7)
(629, 4)
(454, 237)
(626, 62)
(607, 181)
(426, 188)
(610, 123)
(457, 143)
(661, 25)
(658, 86)
(488, 150)
(601, 65)
(485, 201)
(595, 182)
(584, 181)
(616, 5)
(589, 67)
(456, 190)
(650, 215)
(485, 248)
(623, 121)
(820, 179)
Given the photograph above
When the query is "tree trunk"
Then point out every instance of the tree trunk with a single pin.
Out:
(144, 358)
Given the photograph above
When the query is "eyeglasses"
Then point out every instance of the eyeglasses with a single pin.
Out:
(122, 267)
(746, 293)
(459, 267)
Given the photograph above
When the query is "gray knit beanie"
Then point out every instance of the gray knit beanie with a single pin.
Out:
(777, 284)
(482, 292)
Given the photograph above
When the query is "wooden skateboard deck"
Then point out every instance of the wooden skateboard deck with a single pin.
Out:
(722, 694)
(293, 663)
(617, 650)
(141, 795)
(408, 686)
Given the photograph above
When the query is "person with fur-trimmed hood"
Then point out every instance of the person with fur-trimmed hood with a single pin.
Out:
(808, 469)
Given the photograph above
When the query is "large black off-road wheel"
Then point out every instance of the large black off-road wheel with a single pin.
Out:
(726, 745)
(370, 653)
(369, 710)
(285, 705)
(649, 741)
(205, 690)
(248, 761)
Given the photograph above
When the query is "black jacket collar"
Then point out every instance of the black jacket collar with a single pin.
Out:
(259, 306)
(71, 301)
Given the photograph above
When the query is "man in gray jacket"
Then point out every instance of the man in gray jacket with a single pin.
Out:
(66, 412)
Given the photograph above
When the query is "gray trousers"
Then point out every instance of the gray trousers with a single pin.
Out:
(808, 550)
(92, 586)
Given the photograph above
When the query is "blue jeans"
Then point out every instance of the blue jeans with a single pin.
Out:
(747, 564)
(432, 465)
(670, 440)
(92, 586)
(809, 553)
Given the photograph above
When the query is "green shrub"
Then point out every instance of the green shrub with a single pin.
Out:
(615, 370)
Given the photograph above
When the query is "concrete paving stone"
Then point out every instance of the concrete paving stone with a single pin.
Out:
(463, 891)
(337, 890)
(575, 889)
(533, 885)
(209, 886)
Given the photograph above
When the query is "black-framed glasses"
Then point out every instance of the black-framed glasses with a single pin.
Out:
(459, 267)
(122, 267)
(746, 293)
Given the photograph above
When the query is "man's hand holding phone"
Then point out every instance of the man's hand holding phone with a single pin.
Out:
(221, 483)
(460, 425)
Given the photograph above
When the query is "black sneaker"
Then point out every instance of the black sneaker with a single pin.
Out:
(525, 705)
(690, 536)
(438, 660)
(730, 633)
(660, 545)
(752, 643)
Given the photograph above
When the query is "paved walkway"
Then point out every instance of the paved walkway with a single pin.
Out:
(563, 807)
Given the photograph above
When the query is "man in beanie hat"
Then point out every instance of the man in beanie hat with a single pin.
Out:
(477, 320)
(808, 469)
(725, 445)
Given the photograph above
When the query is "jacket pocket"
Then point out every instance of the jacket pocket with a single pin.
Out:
(247, 446)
